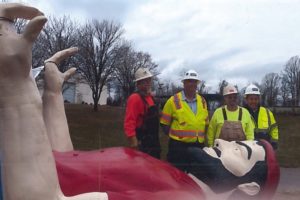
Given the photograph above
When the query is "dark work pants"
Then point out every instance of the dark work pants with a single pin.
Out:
(177, 154)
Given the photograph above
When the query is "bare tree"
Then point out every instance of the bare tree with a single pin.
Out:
(127, 63)
(175, 88)
(20, 24)
(98, 50)
(291, 74)
(58, 34)
(143, 59)
(222, 84)
(125, 68)
(270, 89)
(166, 87)
(285, 91)
(202, 88)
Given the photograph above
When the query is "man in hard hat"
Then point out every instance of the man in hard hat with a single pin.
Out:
(141, 122)
(185, 118)
(262, 118)
(230, 122)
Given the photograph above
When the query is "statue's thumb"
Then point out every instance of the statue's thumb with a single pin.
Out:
(69, 73)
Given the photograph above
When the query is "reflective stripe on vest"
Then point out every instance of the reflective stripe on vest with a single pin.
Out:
(167, 118)
(257, 130)
(204, 103)
(273, 126)
(268, 130)
(177, 101)
(186, 133)
(269, 118)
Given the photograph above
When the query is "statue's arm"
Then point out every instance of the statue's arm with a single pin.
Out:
(53, 102)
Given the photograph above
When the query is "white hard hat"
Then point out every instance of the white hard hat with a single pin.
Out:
(142, 73)
(191, 74)
(229, 89)
(252, 89)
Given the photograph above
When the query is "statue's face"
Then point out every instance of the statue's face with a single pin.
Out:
(237, 157)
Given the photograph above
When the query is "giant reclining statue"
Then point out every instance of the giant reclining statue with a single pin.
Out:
(38, 161)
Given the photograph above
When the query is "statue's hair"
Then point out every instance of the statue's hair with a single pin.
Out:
(273, 171)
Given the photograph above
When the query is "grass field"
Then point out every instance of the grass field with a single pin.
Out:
(93, 130)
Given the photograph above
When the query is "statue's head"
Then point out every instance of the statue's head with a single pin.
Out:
(249, 166)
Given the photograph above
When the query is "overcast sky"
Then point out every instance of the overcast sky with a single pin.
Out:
(236, 40)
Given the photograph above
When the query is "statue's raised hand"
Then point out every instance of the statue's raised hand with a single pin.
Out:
(53, 77)
(15, 54)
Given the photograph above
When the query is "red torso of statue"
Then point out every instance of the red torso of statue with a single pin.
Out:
(125, 174)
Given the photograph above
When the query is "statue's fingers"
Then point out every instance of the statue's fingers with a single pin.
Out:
(70, 72)
(13, 11)
(34, 27)
(50, 67)
(61, 55)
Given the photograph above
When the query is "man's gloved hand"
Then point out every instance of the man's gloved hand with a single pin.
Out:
(165, 129)
(133, 142)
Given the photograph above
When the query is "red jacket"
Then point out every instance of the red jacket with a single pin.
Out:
(135, 111)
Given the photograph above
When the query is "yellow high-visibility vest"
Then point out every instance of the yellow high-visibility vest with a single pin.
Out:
(185, 125)
(266, 123)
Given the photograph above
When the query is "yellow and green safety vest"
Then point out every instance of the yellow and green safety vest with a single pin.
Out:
(185, 126)
(266, 123)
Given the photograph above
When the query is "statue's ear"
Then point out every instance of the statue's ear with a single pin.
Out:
(250, 189)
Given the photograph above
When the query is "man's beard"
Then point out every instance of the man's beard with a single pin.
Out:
(211, 171)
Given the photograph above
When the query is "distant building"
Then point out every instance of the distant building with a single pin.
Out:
(77, 91)
(80, 92)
